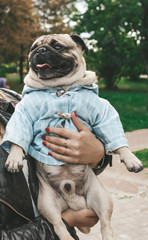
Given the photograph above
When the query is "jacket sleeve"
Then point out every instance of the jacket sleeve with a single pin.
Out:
(19, 129)
(108, 127)
(38, 229)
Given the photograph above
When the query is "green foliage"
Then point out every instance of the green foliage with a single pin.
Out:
(117, 26)
(143, 156)
(54, 15)
(3, 70)
(11, 67)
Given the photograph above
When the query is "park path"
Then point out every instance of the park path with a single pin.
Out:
(129, 192)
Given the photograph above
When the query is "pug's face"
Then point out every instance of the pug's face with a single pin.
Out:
(56, 55)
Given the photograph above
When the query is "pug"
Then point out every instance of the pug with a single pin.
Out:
(56, 85)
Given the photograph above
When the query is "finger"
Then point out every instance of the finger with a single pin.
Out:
(58, 149)
(79, 125)
(64, 157)
(58, 142)
(63, 132)
(55, 140)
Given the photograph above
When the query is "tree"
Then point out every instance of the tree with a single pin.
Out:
(119, 30)
(55, 15)
(19, 26)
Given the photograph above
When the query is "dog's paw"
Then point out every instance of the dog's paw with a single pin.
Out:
(132, 163)
(14, 165)
(14, 161)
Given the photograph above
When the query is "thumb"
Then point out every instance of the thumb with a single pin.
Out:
(79, 125)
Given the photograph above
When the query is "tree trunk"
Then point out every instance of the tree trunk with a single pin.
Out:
(145, 34)
(147, 86)
(21, 63)
(110, 83)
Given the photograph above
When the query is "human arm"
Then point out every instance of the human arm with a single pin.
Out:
(81, 218)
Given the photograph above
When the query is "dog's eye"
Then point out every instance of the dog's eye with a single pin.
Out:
(57, 47)
(33, 47)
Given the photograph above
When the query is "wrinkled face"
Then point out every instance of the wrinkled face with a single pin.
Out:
(53, 56)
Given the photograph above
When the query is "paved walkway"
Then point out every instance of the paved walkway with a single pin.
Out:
(129, 192)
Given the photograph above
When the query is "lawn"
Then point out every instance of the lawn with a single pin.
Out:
(143, 156)
(14, 82)
(131, 106)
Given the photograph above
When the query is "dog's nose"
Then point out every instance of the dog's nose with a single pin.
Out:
(41, 50)
(67, 187)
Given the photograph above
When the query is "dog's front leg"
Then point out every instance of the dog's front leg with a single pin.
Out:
(132, 163)
(100, 201)
(49, 207)
(14, 161)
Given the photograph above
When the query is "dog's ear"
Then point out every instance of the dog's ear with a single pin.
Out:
(76, 38)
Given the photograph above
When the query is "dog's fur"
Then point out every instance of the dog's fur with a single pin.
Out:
(56, 60)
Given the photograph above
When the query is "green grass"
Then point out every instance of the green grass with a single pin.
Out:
(14, 82)
(125, 84)
(143, 156)
(130, 101)
(131, 106)
(140, 85)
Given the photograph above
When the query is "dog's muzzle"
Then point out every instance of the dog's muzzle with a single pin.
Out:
(67, 186)
(48, 63)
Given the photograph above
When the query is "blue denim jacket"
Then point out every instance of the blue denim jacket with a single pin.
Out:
(39, 109)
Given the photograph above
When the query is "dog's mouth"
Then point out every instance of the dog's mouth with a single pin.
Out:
(48, 64)
(47, 71)
(45, 65)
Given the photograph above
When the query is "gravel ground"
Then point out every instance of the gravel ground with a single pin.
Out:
(129, 192)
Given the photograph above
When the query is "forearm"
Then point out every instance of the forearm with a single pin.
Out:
(99, 153)
(81, 218)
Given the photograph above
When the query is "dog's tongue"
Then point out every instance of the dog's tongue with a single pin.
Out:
(43, 65)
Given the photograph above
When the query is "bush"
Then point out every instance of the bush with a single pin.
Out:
(3, 70)
(11, 68)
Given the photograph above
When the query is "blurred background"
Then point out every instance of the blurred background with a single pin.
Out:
(115, 31)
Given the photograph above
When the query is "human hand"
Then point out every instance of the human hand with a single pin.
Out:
(81, 218)
(74, 147)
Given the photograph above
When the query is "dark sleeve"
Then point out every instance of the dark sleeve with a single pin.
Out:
(38, 229)
(107, 160)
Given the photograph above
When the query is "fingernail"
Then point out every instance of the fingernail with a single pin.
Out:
(47, 129)
(44, 143)
(75, 114)
(50, 153)
(44, 138)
